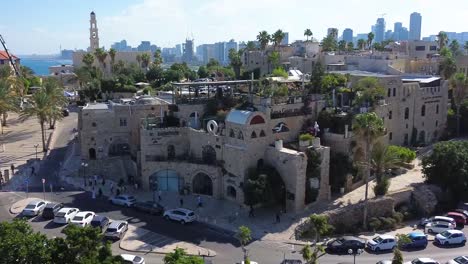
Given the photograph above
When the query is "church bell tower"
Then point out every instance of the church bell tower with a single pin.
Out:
(93, 33)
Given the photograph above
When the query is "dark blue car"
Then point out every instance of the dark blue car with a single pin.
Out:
(418, 240)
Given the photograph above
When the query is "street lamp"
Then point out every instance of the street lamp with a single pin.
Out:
(355, 253)
(37, 145)
(84, 165)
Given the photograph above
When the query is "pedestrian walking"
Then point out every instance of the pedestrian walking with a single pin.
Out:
(251, 211)
(135, 186)
(95, 179)
(159, 195)
(100, 192)
(32, 170)
(12, 169)
(181, 201)
(278, 218)
(112, 188)
(124, 189)
(93, 195)
(199, 201)
(90, 182)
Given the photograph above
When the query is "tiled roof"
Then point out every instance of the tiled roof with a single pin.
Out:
(4, 56)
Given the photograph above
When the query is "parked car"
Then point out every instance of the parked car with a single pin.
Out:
(439, 227)
(125, 200)
(458, 260)
(51, 209)
(461, 211)
(385, 262)
(83, 218)
(34, 208)
(149, 207)
(383, 242)
(291, 261)
(426, 221)
(181, 215)
(342, 244)
(422, 261)
(65, 215)
(460, 219)
(463, 206)
(100, 222)
(132, 259)
(418, 240)
(116, 229)
(450, 237)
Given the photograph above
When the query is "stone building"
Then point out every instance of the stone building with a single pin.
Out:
(203, 155)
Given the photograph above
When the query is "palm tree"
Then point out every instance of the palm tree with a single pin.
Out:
(56, 98)
(157, 58)
(370, 38)
(7, 100)
(264, 38)
(88, 60)
(112, 53)
(442, 38)
(361, 44)
(138, 59)
(342, 45)
(459, 91)
(145, 60)
(367, 128)
(250, 45)
(308, 33)
(350, 46)
(383, 159)
(19, 86)
(101, 55)
(40, 108)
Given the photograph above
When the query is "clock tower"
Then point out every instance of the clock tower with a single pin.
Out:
(93, 33)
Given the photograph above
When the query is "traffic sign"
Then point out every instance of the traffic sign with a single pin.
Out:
(43, 180)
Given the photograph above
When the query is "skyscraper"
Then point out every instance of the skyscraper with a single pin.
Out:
(397, 31)
(404, 34)
(388, 34)
(348, 35)
(379, 30)
(415, 26)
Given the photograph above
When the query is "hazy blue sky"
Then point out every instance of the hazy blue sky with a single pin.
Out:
(41, 26)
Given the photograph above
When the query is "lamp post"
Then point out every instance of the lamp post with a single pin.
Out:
(84, 165)
(37, 145)
(355, 253)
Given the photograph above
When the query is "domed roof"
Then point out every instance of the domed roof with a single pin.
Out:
(92, 13)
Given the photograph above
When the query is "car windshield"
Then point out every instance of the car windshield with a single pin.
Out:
(131, 198)
(77, 218)
(378, 239)
(191, 214)
(445, 234)
(95, 223)
(461, 260)
(30, 206)
(137, 259)
(111, 229)
(61, 214)
(417, 261)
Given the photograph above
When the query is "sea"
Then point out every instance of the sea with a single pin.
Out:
(40, 64)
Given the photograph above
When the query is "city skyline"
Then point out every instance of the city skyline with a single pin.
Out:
(167, 23)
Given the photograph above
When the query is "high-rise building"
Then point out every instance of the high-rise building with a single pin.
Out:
(144, 46)
(388, 35)
(404, 33)
(415, 26)
(334, 32)
(379, 30)
(178, 50)
(285, 40)
(219, 51)
(397, 30)
(348, 35)
(93, 33)
(228, 46)
(187, 54)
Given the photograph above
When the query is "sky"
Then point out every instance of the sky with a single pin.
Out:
(41, 27)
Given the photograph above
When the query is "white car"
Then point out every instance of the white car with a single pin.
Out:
(437, 218)
(132, 259)
(125, 200)
(383, 242)
(34, 208)
(458, 260)
(450, 237)
(116, 229)
(181, 215)
(83, 218)
(65, 215)
(438, 227)
(422, 261)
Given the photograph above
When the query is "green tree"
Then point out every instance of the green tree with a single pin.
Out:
(350, 46)
(279, 72)
(39, 108)
(403, 239)
(329, 43)
(101, 55)
(213, 63)
(155, 73)
(455, 48)
(316, 78)
(370, 38)
(179, 256)
(361, 44)
(157, 58)
(447, 64)
(308, 33)
(235, 60)
(319, 227)
(397, 257)
(442, 39)
(263, 38)
(368, 91)
(138, 59)
(342, 45)
(459, 91)
(112, 53)
(57, 100)
(250, 45)
(465, 47)
(383, 159)
(367, 127)
(202, 72)
(277, 37)
(274, 59)
(145, 60)
(88, 59)
(244, 235)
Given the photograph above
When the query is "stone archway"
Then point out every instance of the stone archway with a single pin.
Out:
(167, 180)
(202, 184)
(92, 154)
(231, 192)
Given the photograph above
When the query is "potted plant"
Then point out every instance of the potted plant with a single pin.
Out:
(305, 140)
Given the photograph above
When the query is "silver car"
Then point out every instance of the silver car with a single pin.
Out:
(34, 208)
(116, 229)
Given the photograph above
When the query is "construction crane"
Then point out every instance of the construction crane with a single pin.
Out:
(9, 56)
(382, 15)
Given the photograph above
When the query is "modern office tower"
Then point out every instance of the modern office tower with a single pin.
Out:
(379, 30)
(397, 30)
(348, 35)
(415, 26)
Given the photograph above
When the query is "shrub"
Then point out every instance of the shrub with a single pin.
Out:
(281, 91)
(374, 224)
(306, 137)
(381, 188)
(279, 72)
(398, 217)
(388, 223)
(406, 154)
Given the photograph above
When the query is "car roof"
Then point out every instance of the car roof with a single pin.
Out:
(50, 205)
(426, 260)
(443, 218)
(99, 217)
(128, 257)
(351, 238)
(66, 209)
(183, 210)
(416, 234)
(35, 202)
(82, 213)
(455, 213)
(455, 231)
(387, 236)
(115, 224)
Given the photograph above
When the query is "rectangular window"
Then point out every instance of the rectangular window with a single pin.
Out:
(123, 122)
(420, 48)
(390, 136)
(433, 48)
(406, 139)
(390, 115)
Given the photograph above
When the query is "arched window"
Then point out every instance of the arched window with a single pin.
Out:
(170, 152)
(240, 135)
(257, 120)
(406, 113)
(254, 135)
(231, 192)
(423, 110)
(262, 133)
(231, 133)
